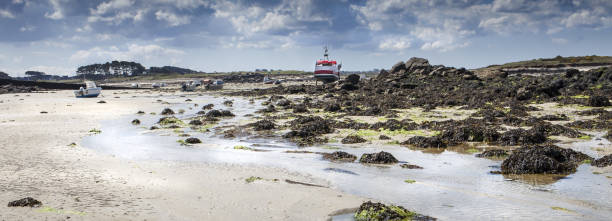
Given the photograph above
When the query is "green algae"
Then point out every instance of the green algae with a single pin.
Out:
(252, 179)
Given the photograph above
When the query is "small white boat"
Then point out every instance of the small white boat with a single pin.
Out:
(327, 70)
(90, 90)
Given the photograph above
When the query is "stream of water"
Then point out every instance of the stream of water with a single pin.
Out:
(452, 185)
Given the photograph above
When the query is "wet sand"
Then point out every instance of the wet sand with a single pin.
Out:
(80, 183)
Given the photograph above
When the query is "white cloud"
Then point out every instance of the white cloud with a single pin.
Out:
(445, 38)
(132, 52)
(57, 10)
(116, 11)
(559, 40)
(596, 17)
(171, 18)
(6, 14)
(27, 28)
(395, 43)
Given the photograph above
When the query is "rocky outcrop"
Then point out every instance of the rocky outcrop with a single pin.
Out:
(548, 159)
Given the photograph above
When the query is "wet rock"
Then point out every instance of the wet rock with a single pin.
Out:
(549, 129)
(594, 111)
(306, 130)
(193, 140)
(370, 211)
(425, 142)
(269, 109)
(25, 202)
(153, 128)
(208, 107)
(339, 156)
(195, 122)
(300, 108)
(493, 153)
(410, 166)
(378, 158)
(283, 103)
(352, 79)
(135, 122)
(187, 100)
(332, 107)
(469, 133)
(44, 112)
(228, 103)
(548, 159)
(561, 117)
(521, 137)
(140, 112)
(603, 162)
(101, 102)
(263, 125)
(169, 120)
(384, 137)
(351, 139)
(220, 113)
(598, 101)
(167, 111)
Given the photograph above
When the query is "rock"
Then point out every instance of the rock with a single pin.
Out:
(520, 137)
(410, 166)
(300, 108)
(339, 156)
(370, 211)
(101, 102)
(269, 109)
(228, 103)
(378, 158)
(25, 202)
(569, 73)
(332, 107)
(44, 112)
(493, 153)
(208, 107)
(187, 100)
(169, 120)
(398, 66)
(195, 122)
(548, 159)
(598, 101)
(140, 112)
(263, 125)
(352, 79)
(193, 140)
(416, 63)
(283, 103)
(469, 133)
(305, 130)
(425, 142)
(384, 137)
(351, 139)
(603, 162)
(153, 128)
(135, 122)
(167, 111)
(219, 113)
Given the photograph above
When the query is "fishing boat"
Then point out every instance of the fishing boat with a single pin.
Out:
(327, 70)
(90, 90)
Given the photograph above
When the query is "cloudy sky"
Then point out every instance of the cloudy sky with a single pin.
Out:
(57, 36)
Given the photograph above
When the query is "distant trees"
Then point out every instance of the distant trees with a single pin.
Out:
(170, 70)
(4, 75)
(125, 68)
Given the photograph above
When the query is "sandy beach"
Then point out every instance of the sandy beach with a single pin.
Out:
(78, 183)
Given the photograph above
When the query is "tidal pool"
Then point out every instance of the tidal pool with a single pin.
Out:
(451, 185)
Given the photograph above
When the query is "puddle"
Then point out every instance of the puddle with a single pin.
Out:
(451, 185)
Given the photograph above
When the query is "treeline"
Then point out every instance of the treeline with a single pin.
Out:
(115, 68)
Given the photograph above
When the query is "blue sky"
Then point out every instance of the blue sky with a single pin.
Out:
(57, 36)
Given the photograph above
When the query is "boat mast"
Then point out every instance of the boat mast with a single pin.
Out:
(325, 54)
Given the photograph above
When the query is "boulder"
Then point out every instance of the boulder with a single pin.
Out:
(398, 66)
(25, 202)
(548, 159)
(381, 157)
(167, 111)
(351, 139)
(193, 140)
(135, 122)
(370, 211)
(425, 142)
(339, 156)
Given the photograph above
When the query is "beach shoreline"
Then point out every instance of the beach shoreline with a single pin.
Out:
(76, 182)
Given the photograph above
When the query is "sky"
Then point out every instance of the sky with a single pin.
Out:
(57, 36)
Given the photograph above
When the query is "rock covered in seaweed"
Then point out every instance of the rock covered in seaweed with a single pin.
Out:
(339, 156)
(263, 125)
(369, 211)
(548, 159)
(351, 139)
(381, 157)
(603, 162)
(25, 202)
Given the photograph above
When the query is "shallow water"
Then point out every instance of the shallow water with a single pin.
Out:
(452, 185)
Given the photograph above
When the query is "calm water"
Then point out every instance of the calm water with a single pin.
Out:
(452, 185)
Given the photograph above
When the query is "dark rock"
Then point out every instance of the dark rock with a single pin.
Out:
(598, 101)
(25, 202)
(548, 159)
(228, 103)
(153, 128)
(44, 112)
(378, 158)
(493, 153)
(283, 103)
(187, 100)
(410, 166)
(140, 112)
(352, 79)
(193, 140)
(332, 107)
(219, 113)
(300, 108)
(135, 122)
(370, 211)
(603, 162)
(167, 111)
(569, 73)
(520, 137)
(101, 102)
(351, 139)
(425, 142)
(339, 156)
(561, 117)
(208, 107)
(398, 66)
(263, 125)
(384, 137)
(195, 122)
